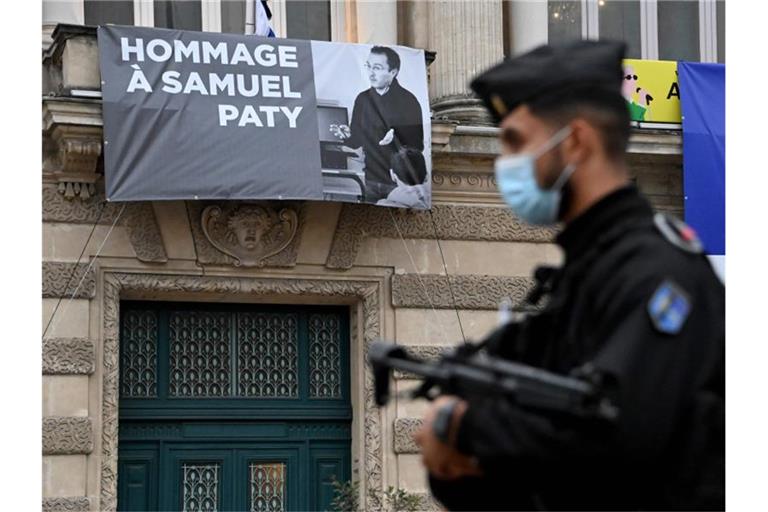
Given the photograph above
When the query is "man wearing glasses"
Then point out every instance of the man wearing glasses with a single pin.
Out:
(385, 118)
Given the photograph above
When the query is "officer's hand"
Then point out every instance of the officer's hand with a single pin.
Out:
(441, 460)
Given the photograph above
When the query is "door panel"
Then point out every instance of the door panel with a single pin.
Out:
(327, 464)
(137, 489)
(198, 479)
(269, 480)
(232, 406)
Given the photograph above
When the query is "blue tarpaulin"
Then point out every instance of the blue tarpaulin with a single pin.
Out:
(702, 98)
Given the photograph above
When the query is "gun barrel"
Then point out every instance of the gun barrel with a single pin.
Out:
(480, 375)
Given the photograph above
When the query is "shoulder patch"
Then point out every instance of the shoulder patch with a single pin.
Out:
(669, 307)
(678, 233)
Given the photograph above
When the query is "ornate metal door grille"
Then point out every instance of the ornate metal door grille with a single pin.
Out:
(139, 357)
(324, 356)
(199, 357)
(267, 355)
(267, 487)
(177, 355)
(201, 488)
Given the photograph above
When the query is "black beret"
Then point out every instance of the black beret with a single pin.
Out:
(550, 69)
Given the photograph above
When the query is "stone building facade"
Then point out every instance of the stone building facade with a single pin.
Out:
(404, 276)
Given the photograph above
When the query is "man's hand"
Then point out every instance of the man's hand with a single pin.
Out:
(441, 460)
(387, 137)
(341, 131)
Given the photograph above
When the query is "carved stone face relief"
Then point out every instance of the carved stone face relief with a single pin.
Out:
(248, 232)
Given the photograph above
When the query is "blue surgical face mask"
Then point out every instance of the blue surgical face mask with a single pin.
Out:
(516, 180)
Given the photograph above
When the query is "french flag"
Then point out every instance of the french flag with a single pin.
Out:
(261, 16)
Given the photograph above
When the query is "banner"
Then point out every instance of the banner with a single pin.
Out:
(202, 115)
(703, 102)
(652, 91)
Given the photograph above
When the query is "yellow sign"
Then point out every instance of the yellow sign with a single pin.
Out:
(651, 90)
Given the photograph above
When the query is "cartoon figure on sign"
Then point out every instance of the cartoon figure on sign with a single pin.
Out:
(630, 89)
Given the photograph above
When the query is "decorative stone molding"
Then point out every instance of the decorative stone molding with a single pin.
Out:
(404, 430)
(72, 135)
(462, 108)
(469, 291)
(68, 504)
(57, 282)
(138, 218)
(67, 436)
(451, 222)
(144, 233)
(464, 187)
(248, 234)
(366, 293)
(68, 356)
(85, 211)
(442, 129)
(426, 352)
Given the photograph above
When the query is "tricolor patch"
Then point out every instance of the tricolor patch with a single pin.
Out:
(669, 308)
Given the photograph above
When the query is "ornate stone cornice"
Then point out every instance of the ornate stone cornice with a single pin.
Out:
(57, 282)
(404, 430)
(68, 356)
(244, 233)
(67, 435)
(469, 291)
(366, 293)
(73, 143)
(451, 222)
(68, 504)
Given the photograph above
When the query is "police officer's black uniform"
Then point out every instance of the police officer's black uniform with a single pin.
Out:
(637, 299)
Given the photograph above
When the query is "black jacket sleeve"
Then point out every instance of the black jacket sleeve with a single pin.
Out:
(410, 130)
(356, 125)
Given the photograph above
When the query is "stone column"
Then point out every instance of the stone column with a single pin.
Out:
(468, 39)
(376, 21)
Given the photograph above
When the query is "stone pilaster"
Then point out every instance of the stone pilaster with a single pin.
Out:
(376, 21)
(468, 39)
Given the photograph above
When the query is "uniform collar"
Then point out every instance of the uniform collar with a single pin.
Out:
(621, 206)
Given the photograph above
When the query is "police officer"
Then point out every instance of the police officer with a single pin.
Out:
(635, 300)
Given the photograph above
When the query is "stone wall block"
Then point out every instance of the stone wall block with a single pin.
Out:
(59, 280)
(457, 291)
(67, 436)
(67, 504)
(404, 430)
(68, 356)
(444, 222)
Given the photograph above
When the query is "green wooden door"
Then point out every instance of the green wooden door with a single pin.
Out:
(232, 407)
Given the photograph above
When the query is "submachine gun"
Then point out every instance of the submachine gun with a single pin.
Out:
(469, 371)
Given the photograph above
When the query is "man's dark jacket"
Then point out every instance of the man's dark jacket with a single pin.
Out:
(372, 117)
(667, 449)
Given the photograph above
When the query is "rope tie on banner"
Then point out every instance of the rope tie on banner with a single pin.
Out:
(421, 282)
(88, 269)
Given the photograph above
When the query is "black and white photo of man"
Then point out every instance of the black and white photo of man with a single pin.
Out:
(385, 118)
